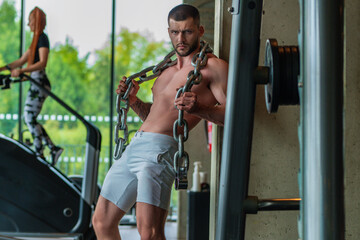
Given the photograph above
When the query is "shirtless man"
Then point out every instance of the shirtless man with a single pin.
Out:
(145, 174)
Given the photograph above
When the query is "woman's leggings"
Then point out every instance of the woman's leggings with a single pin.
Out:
(33, 104)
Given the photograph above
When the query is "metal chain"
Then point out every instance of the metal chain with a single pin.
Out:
(199, 61)
(122, 101)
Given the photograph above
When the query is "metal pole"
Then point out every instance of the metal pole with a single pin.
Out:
(279, 204)
(323, 172)
(239, 118)
(112, 76)
(21, 51)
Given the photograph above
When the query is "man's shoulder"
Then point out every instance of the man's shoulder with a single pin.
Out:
(214, 61)
(214, 58)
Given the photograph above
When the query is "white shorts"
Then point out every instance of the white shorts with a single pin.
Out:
(144, 173)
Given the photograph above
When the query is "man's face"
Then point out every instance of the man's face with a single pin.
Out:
(185, 36)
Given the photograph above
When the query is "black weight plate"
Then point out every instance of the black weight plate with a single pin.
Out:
(272, 88)
(296, 71)
(282, 80)
(287, 77)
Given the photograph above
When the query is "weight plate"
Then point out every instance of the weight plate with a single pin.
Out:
(287, 79)
(296, 71)
(272, 88)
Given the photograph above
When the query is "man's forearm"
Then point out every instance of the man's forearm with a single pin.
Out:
(214, 114)
(141, 109)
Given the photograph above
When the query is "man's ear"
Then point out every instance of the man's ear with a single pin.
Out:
(201, 30)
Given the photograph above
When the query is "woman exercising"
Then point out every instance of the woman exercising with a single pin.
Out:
(36, 58)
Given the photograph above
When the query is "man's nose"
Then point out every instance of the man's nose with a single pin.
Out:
(181, 36)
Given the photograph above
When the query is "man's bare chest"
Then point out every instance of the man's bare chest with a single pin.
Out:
(171, 81)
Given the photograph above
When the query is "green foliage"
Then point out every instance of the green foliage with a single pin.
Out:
(10, 31)
(9, 51)
(68, 76)
(9, 45)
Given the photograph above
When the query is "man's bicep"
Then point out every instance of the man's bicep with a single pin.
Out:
(219, 83)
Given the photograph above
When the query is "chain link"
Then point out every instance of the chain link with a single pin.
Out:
(181, 158)
(199, 60)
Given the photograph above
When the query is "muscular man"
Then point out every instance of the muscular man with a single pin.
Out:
(145, 172)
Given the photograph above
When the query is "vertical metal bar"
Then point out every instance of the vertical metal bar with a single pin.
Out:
(323, 173)
(21, 51)
(239, 119)
(217, 131)
(112, 76)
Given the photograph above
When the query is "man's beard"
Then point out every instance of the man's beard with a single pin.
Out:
(191, 49)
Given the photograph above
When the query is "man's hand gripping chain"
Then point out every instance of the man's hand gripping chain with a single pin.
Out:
(199, 61)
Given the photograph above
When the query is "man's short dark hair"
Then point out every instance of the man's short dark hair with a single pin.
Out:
(183, 11)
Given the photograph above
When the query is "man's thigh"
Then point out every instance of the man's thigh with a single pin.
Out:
(107, 211)
(150, 216)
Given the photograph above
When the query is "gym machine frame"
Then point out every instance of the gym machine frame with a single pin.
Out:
(320, 129)
(88, 183)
